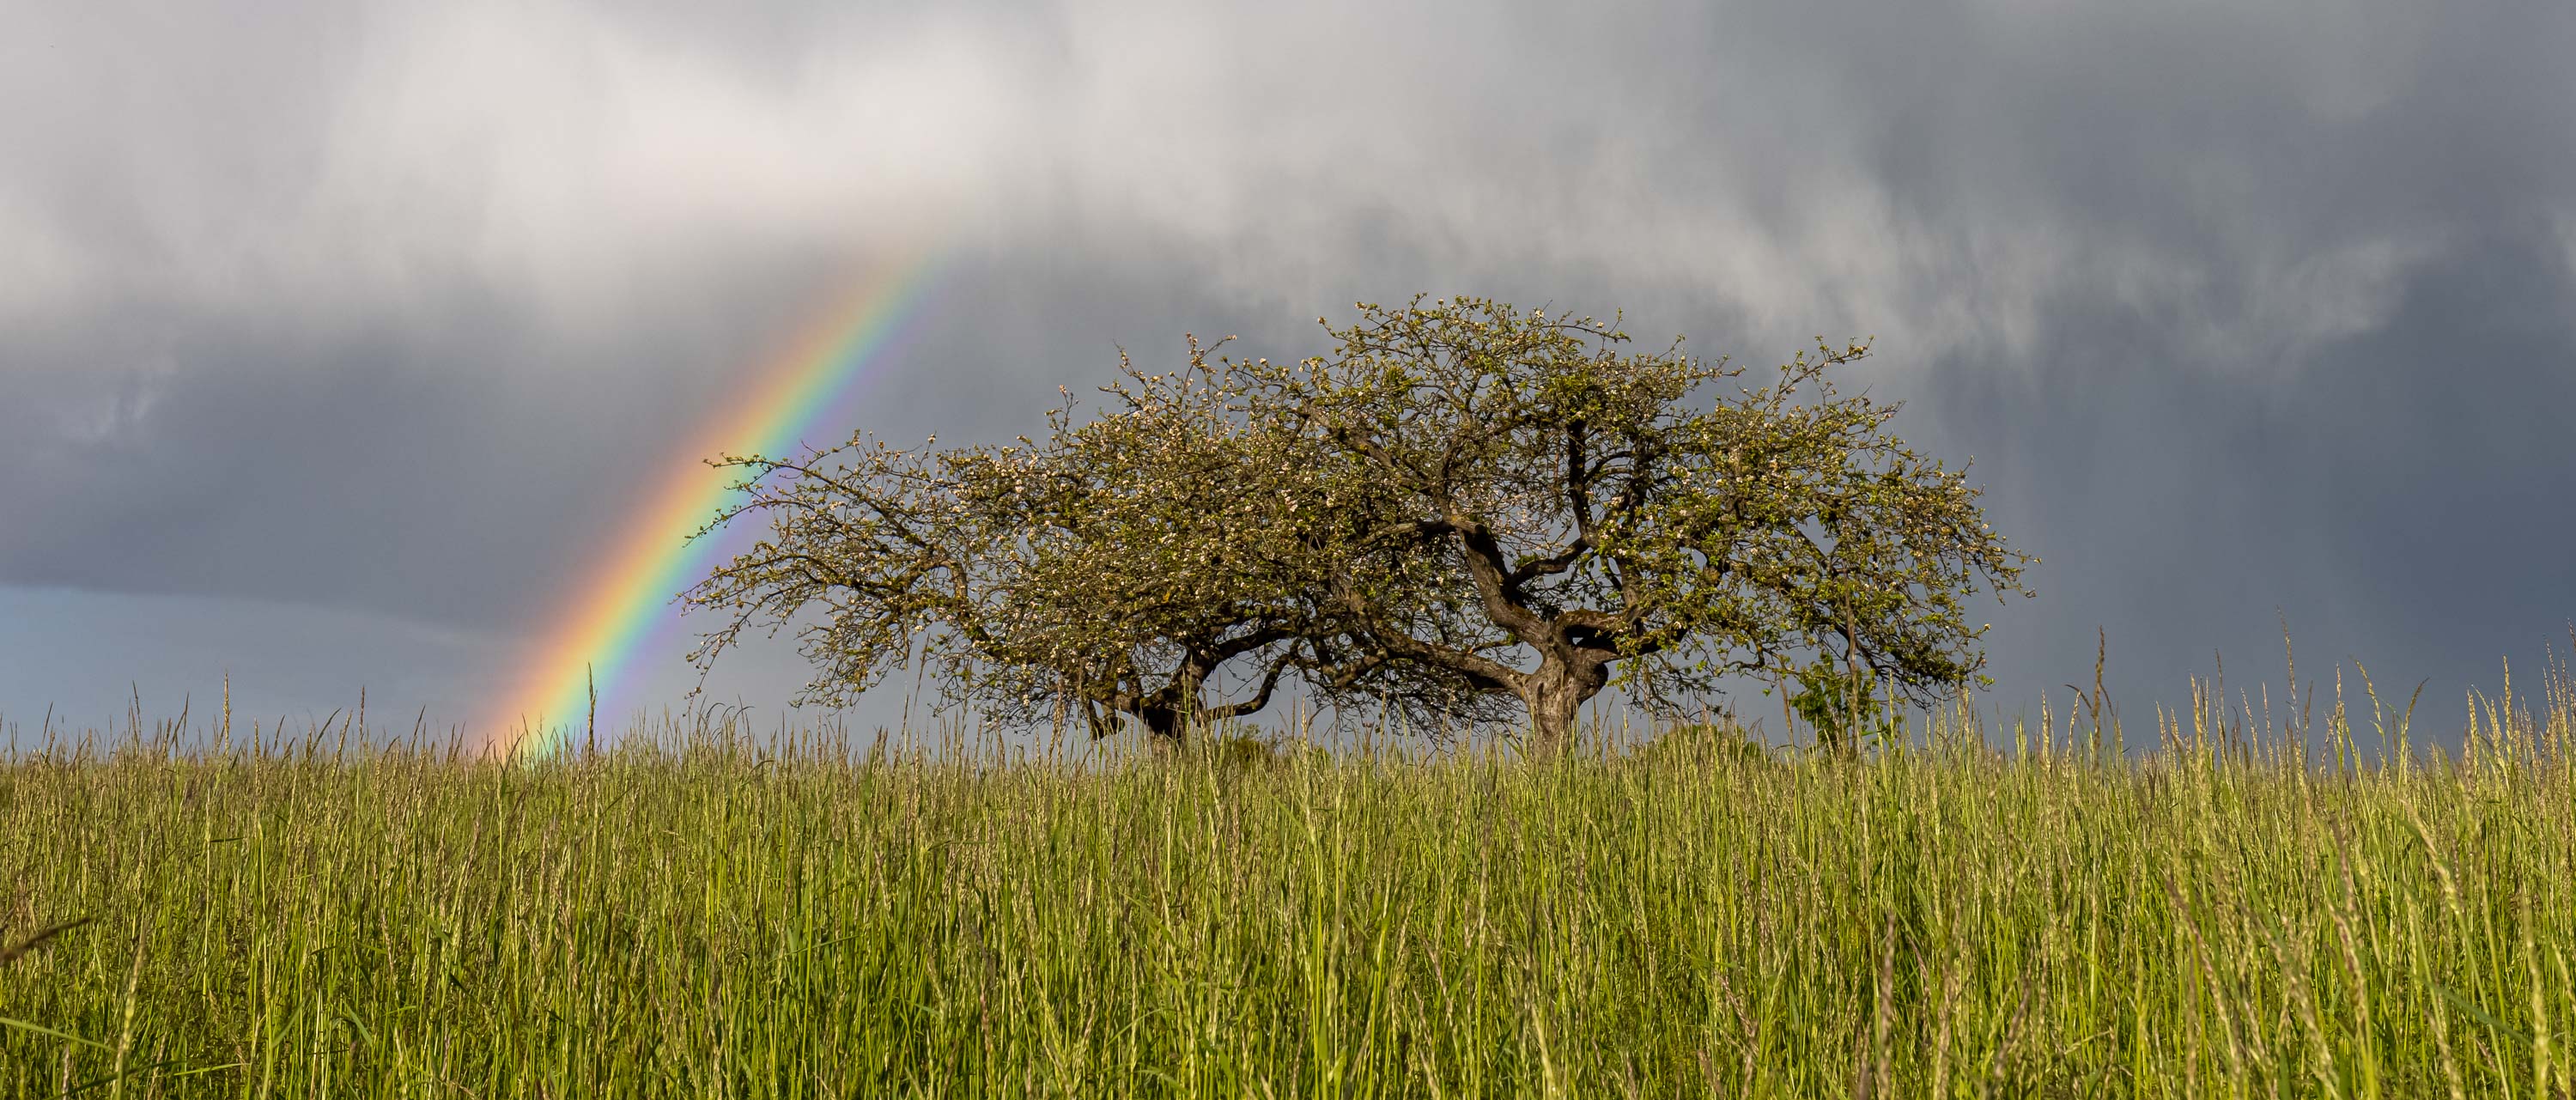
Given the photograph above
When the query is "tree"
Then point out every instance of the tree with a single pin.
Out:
(1129, 563)
(1570, 506)
(1465, 512)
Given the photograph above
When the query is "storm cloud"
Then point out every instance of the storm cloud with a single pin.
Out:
(334, 337)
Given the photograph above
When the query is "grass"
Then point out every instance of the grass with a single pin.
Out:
(2237, 914)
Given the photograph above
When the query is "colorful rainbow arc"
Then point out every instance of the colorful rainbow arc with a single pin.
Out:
(624, 600)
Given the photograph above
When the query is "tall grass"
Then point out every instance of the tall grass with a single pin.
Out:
(713, 915)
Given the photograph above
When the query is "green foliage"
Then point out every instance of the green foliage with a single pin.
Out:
(717, 917)
(1592, 511)
(1244, 750)
(1131, 562)
(1845, 711)
(1703, 743)
(1466, 513)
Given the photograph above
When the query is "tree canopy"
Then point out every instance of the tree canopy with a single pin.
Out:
(1169, 559)
(1643, 510)
(1465, 512)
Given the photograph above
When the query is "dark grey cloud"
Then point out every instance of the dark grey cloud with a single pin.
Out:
(384, 311)
(2394, 496)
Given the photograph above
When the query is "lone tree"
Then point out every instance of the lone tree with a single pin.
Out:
(1133, 563)
(1465, 512)
(1591, 509)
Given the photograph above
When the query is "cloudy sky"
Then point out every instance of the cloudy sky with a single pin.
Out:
(335, 337)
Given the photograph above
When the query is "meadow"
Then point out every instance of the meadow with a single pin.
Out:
(2229, 906)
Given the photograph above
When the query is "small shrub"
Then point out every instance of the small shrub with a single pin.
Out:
(1703, 742)
(1246, 751)
(1846, 710)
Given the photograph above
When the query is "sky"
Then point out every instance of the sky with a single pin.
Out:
(337, 337)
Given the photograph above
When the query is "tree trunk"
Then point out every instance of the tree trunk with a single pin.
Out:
(1165, 723)
(1554, 695)
(1169, 713)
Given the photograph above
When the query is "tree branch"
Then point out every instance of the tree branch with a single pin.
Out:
(1260, 699)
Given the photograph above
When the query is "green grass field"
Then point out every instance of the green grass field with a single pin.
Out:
(2229, 916)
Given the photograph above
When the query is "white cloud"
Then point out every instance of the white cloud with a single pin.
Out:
(569, 155)
(591, 164)
(41, 273)
(115, 412)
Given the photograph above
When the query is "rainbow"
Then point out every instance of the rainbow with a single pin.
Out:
(626, 599)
